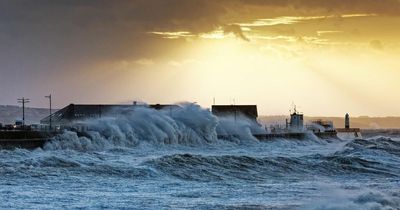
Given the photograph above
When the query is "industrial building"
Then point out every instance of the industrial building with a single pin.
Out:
(248, 111)
(79, 112)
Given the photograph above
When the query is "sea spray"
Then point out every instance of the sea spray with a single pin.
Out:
(280, 174)
(172, 158)
(184, 124)
(239, 128)
(187, 124)
(334, 196)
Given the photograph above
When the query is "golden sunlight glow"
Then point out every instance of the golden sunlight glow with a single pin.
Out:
(217, 34)
(320, 33)
(172, 34)
(287, 20)
(328, 58)
(315, 65)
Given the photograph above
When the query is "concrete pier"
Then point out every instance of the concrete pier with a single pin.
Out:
(268, 136)
(24, 139)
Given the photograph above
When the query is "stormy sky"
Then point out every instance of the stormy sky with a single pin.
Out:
(327, 56)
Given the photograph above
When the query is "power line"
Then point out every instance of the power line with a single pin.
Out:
(49, 97)
(23, 101)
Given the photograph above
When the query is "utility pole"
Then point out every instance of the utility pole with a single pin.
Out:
(49, 97)
(23, 101)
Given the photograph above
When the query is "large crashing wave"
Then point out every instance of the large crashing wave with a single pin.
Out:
(186, 124)
(370, 157)
(253, 169)
(379, 146)
(354, 162)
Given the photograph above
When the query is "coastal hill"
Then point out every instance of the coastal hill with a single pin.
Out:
(9, 113)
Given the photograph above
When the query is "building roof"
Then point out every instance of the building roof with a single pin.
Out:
(249, 111)
(84, 111)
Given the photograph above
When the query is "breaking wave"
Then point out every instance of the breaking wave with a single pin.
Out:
(372, 157)
(27, 164)
(154, 153)
(358, 200)
(213, 168)
(188, 124)
(376, 145)
(192, 126)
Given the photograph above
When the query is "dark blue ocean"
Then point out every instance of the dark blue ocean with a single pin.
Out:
(155, 160)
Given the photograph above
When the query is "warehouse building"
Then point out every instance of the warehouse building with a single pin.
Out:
(248, 111)
(79, 112)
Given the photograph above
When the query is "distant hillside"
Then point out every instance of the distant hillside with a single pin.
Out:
(356, 122)
(8, 114)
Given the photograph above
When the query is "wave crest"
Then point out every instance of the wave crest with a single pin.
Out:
(187, 125)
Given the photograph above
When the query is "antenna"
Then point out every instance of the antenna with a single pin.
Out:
(23, 101)
(293, 106)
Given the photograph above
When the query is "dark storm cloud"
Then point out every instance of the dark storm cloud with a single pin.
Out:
(384, 7)
(47, 35)
(103, 29)
(113, 28)
(55, 30)
(50, 43)
(195, 15)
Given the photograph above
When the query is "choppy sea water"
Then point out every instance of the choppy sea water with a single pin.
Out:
(176, 162)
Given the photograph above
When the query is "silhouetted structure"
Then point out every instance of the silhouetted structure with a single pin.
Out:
(348, 133)
(23, 101)
(249, 111)
(49, 97)
(347, 121)
(296, 121)
(78, 112)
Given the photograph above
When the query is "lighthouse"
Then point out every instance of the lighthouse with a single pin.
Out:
(348, 133)
(347, 121)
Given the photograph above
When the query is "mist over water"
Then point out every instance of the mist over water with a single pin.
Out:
(168, 159)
